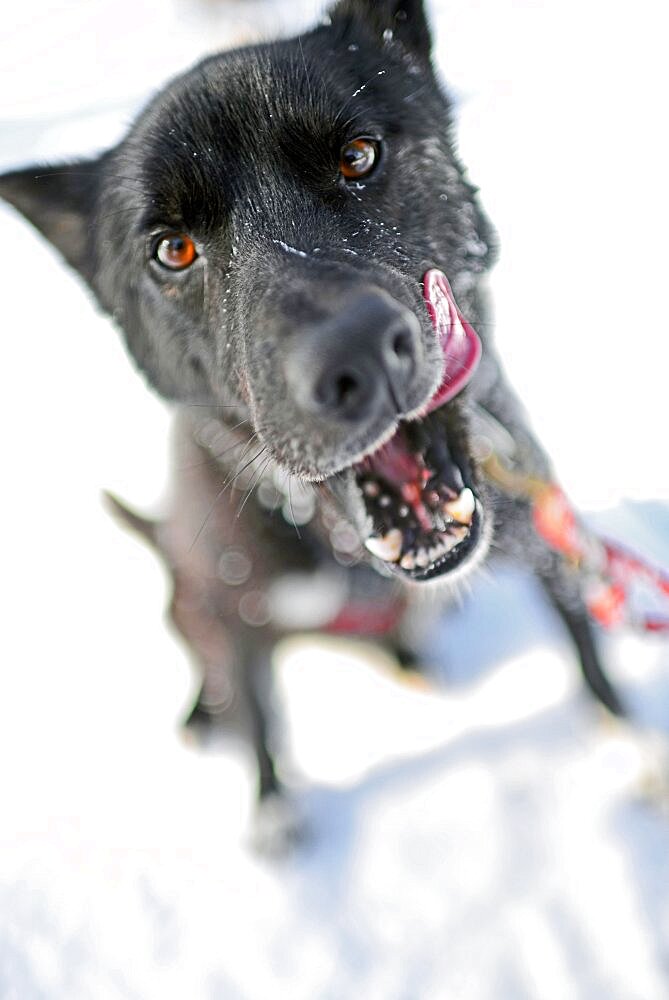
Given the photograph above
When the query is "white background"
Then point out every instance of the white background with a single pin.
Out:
(480, 842)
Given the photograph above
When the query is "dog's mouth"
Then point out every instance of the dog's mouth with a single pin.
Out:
(418, 489)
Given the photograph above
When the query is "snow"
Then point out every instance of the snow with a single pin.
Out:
(289, 249)
(478, 839)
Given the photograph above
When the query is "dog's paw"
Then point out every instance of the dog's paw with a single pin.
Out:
(651, 750)
(204, 729)
(278, 826)
(653, 785)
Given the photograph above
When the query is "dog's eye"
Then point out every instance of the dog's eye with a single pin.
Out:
(175, 251)
(358, 158)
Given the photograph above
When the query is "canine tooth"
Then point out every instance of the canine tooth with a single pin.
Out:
(387, 547)
(384, 500)
(371, 489)
(407, 561)
(422, 558)
(461, 509)
(403, 510)
(435, 552)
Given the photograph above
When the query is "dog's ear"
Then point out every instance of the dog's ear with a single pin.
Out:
(59, 201)
(406, 19)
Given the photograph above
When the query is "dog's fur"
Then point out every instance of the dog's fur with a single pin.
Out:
(242, 153)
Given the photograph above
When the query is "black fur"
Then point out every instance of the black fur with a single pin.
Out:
(242, 153)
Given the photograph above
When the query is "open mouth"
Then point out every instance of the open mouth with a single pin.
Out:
(418, 488)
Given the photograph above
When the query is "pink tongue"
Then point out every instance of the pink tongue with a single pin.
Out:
(397, 465)
(459, 341)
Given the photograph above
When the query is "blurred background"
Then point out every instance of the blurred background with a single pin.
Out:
(485, 839)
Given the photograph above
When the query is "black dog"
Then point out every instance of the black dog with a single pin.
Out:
(272, 237)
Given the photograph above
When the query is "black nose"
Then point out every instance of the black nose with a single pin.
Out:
(357, 362)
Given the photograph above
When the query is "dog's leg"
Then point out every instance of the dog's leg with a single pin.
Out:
(517, 537)
(277, 822)
(235, 696)
(651, 745)
(256, 684)
(236, 676)
(234, 664)
(565, 597)
(211, 647)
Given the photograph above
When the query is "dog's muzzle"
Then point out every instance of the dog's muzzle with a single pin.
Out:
(423, 514)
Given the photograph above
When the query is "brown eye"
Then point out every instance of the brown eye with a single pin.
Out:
(358, 158)
(175, 251)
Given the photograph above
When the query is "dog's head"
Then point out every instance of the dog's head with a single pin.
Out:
(262, 237)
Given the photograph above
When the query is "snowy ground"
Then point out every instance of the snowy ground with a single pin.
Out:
(482, 842)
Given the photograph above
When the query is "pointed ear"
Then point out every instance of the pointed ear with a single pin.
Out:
(59, 201)
(405, 18)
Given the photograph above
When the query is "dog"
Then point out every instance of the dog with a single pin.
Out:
(294, 254)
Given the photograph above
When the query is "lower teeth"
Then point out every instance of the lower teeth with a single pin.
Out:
(387, 547)
(451, 517)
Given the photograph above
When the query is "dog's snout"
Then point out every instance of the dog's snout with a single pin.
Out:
(358, 362)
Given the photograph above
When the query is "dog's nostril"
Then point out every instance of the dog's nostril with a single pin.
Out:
(346, 386)
(338, 391)
(403, 344)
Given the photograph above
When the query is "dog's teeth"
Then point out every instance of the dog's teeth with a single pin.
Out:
(454, 537)
(371, 489)
(407, 561)
(451, 538)
(384, 500)
(403, 510)
(387, 547)
(461, 509)
(439, 521)
(422, 558)
(435, 552)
